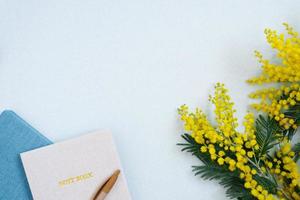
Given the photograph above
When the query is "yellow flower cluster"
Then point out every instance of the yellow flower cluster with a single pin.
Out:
(224, 144)
(276, 101)
(283, 167)
(288, 51)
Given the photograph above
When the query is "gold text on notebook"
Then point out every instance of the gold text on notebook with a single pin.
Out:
(75, 179)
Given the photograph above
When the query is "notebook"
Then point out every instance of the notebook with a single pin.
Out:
(75, 169)
(16, 136)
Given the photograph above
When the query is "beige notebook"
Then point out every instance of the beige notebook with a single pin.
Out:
(75, 169)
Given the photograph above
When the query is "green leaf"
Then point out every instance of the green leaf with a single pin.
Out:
(294, 113)
(289, 133)
(266, 134)
(193, 147)
(296, 149)
(229, 180)
(267, 184)
(212, 171)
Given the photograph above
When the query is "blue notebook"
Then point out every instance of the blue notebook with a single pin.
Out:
(16, 136)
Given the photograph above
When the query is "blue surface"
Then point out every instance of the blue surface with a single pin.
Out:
(16, 136)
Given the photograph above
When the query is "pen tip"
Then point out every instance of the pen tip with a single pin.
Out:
(117, 172)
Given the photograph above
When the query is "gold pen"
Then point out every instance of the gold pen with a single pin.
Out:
(107, 186)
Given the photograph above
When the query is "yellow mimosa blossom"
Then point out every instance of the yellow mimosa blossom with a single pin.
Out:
(223, 143)
(284, 167)
(259, 162)
(277, 101)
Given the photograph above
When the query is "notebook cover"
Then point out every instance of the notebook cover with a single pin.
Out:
(75, 169)
(16, 136)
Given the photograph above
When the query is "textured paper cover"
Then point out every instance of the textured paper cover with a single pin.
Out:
(94, 152)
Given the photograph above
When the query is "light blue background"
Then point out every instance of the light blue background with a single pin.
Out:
(68, 67)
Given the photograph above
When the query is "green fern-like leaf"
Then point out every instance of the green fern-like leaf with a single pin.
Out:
(289, 133)
(193, 147)
(267, 137)
(229, 180)
(212, 171)
(294, 113)
(296, 149)
(266, 134)
(267, 184)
